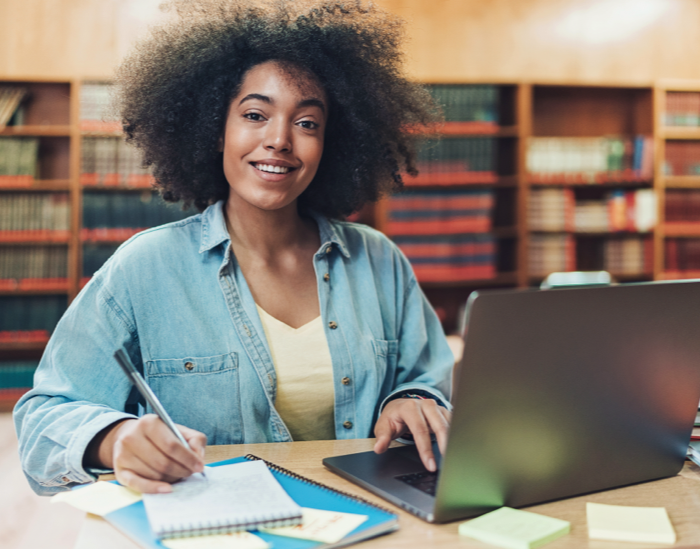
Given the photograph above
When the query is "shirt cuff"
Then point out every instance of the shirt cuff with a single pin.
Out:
(79, 444)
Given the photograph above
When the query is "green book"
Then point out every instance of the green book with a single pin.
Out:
(514, 529)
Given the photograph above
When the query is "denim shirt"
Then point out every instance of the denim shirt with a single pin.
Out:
(176, 300)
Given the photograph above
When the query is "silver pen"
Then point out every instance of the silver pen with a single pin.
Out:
(143, 388)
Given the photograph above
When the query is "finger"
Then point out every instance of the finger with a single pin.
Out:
(174, 457)
(437, 422)
(143, 468)
(140, 443)
(418, 425)
(136, 482)
(383, 432)
(196, 440)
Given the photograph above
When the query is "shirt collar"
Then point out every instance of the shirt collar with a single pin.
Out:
(214, 231)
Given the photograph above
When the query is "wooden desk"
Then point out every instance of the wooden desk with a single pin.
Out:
(680, 495)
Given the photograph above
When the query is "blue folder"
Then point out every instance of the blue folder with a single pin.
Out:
(133, 522)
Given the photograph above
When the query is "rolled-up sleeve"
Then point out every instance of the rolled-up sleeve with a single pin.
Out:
(78, 391)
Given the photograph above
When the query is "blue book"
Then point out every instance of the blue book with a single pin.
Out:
(133, 522)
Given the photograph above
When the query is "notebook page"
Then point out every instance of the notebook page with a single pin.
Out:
(240, 494)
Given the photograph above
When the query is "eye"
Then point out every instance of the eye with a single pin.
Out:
(254, 116)
(308, 125)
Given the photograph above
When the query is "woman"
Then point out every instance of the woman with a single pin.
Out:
(263, 319)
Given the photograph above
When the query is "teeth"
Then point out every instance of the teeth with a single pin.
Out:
(272, 169)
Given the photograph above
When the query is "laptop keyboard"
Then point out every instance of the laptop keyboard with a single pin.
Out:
(425, 482)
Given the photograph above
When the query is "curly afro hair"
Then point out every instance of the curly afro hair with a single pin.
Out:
(173, 93)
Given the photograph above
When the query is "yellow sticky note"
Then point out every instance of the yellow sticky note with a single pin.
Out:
(236, 540)
(319, 525)
(99, 498)
(515, 529)
(622, 523)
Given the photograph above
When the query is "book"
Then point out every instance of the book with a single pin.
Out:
(624, 523)
(234, 497)
(132, 520)
(515, 529)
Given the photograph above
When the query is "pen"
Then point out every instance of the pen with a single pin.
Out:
(148, 394)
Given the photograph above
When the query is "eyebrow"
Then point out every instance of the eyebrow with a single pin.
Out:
(311, 102)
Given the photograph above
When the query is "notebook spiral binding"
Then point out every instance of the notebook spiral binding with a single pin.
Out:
(297, 476)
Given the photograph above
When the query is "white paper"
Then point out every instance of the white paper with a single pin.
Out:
(235, 540)
(230, 495)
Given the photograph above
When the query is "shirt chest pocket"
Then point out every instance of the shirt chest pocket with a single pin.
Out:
(202, 393)
(386, 355)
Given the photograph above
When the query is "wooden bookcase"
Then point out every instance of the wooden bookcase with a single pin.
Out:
(525, 111)
(668, 133)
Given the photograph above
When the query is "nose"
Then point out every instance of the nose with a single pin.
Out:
(278, 137)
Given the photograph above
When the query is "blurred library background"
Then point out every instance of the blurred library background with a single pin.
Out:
(571, 142)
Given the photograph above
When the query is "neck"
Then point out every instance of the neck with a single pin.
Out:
(265, 233)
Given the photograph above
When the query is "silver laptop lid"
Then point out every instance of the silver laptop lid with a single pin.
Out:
(563, 392)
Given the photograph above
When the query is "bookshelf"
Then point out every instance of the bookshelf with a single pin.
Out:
(488, 161)
(677, 134)
(62, 214)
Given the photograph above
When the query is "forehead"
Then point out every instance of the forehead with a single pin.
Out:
(278, 79)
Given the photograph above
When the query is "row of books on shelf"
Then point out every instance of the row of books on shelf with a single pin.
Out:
(109, 213)
(577, 160)
(10, 100)
(18, 161)
(682, 109)
(34, 216)
(682, 254)
(30, 319)
(553, 209)
(450, 258)
(467, 103)
(628, 255)
(682, 206)
(17, 374)
(455, 160)
(111, 161)
(95, 108)
(33, 268)
(431, 212)
(682, 158)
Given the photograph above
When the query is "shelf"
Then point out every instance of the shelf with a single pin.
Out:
(36, 131)
(464, 129)
(680, 132)
(647, 183)
(679, 275)
(450, 179)
(99, 128)
(22, 346)
(40, 185)
(591, 233)
(682, 181)
(116, 188)
(501, 279)
(4, 292)
(62, 237)
(612, 179)
(9, 397)
(682, 229)
(33, 286)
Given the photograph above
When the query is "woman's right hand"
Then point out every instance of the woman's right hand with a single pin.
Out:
(146, 456)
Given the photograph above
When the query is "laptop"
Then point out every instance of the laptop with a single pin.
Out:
(559, 393)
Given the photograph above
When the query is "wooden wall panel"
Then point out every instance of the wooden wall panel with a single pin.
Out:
(564, 41)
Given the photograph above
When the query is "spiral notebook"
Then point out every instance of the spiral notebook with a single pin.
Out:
(133, 521)
(205, 505)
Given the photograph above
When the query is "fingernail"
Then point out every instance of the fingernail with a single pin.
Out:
(431, 465)
(165, 489)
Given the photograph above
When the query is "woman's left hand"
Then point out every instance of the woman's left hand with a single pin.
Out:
(421, 418)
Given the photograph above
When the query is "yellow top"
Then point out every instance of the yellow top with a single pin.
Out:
(305, 394)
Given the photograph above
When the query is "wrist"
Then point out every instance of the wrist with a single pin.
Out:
(100, 451)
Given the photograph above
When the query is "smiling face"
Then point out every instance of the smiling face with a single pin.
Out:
(273, 139)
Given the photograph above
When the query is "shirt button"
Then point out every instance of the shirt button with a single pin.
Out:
(189, 366)
(348, 424)
(65, 479)
(326, 277)
(333, 325)
(329, 249)
(345, 381)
